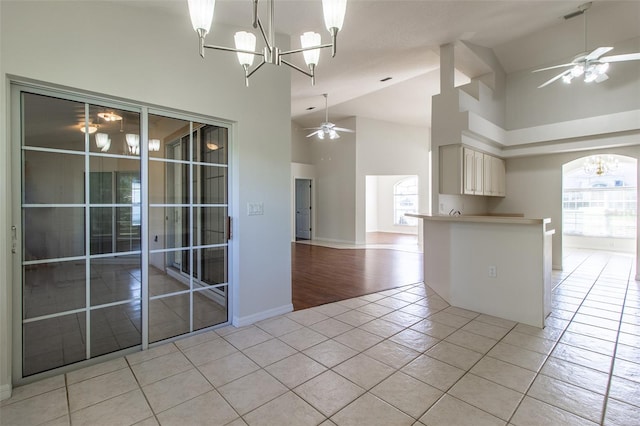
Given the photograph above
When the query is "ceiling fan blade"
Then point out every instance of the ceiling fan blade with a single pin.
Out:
(557, 77)
(621, 58)
(314, 133)
(342, 129)
(312, 128)
(554, 67)
(597, 53)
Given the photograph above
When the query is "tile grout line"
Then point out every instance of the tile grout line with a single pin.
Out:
(558, 340)
(140, 386)
(615, 351)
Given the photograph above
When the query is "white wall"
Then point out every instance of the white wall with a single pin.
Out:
(301, 146)
(371, 194)
(385, 148)
(152, 57)
(336, 185)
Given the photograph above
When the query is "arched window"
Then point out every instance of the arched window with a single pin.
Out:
(599, 197)
(405, 200)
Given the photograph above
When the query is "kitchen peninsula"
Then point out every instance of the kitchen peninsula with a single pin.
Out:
(495, 265)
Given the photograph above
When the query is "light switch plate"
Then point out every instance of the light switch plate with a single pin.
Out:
(255, 209)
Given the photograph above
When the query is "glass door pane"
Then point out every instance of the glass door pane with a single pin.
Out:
(188, 214)
(80, 232)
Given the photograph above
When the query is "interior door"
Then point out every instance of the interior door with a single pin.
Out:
(303, 209)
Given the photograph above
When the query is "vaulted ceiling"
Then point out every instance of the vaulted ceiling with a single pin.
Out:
(400, 39)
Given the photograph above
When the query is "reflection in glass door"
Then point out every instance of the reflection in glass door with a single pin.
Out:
(81, 271)
(188, 212)
(81, 222)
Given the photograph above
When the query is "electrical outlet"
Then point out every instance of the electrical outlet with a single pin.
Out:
(493, 271)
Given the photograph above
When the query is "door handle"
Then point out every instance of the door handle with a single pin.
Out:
(14, 238)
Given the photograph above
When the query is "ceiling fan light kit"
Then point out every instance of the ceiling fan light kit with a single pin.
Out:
(201, 12)
(591, 66)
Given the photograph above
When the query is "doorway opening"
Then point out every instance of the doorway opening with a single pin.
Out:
(303, 205)
(599, 208)
(388, 199)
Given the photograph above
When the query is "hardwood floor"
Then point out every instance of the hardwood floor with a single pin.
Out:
(322, 275)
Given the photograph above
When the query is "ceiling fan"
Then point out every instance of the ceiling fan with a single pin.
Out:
(592, 64)
(327, 129)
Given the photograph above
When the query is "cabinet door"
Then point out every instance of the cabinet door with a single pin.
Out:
(469, 186)
(487, 182)
(478, 173)
(498, 177)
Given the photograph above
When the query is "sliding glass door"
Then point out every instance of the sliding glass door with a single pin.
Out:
(188, 211)
(94, 180)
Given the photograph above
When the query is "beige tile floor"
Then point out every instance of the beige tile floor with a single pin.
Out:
(397, 357)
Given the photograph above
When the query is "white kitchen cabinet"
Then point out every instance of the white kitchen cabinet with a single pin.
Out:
(498, 177)
(466, 171)
(494, 176)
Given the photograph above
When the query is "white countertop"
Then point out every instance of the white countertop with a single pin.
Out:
(483, 219)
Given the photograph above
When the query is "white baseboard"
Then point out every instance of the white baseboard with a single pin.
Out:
(5, 392)
(250, 319)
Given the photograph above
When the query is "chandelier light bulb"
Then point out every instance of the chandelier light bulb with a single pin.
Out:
(154, 145)
(245, 41)
(201, 13)
(567, 78)
(334, 11)
(311, 39)
(101, 139)
(133, 141)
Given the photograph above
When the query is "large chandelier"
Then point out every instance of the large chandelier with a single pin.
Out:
(201, 12)
(597, 165)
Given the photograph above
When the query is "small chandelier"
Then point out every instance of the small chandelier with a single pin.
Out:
(597, 165)
(201, 12)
